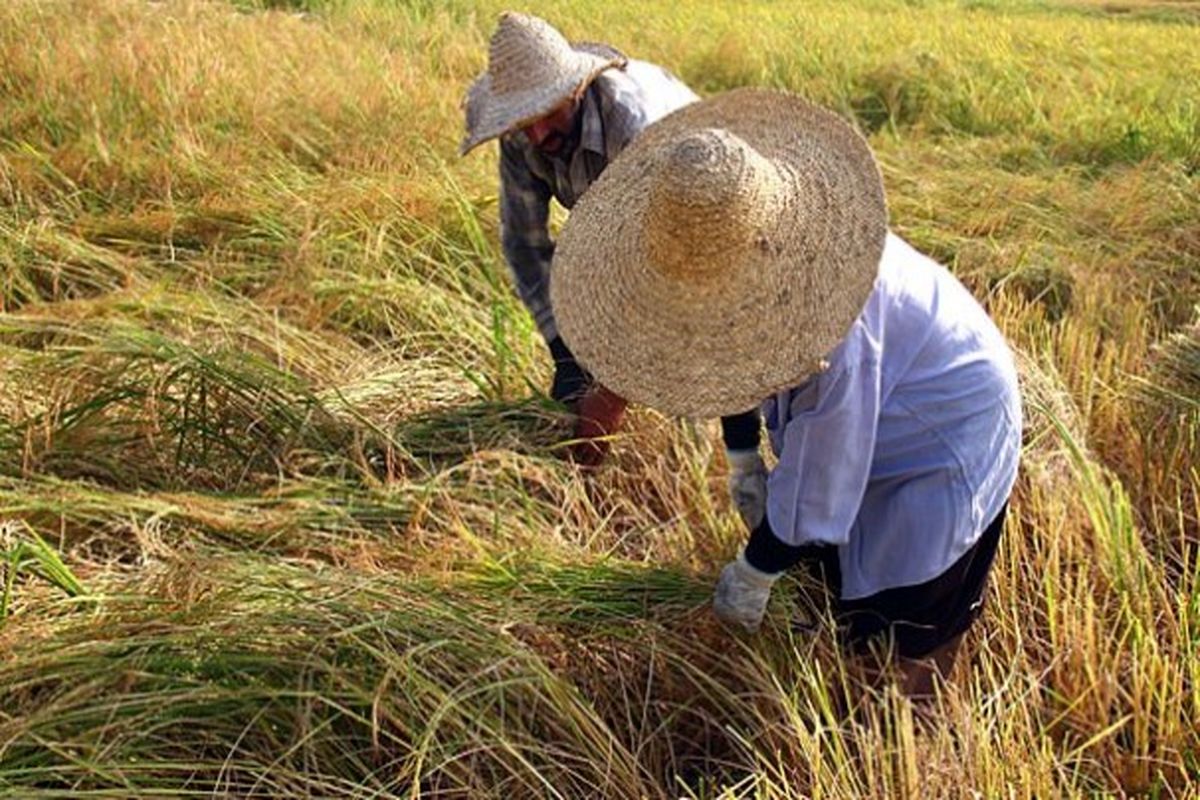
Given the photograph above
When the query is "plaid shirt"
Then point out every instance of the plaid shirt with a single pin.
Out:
(616, 106)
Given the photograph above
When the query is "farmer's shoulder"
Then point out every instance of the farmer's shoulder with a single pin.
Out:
(645, 87)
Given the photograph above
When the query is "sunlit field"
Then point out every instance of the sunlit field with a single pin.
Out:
(283, 508)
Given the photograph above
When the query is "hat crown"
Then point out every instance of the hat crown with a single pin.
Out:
(712, 196)
(526, 52)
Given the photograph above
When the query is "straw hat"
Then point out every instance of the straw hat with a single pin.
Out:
(531, 70)
(722, 255)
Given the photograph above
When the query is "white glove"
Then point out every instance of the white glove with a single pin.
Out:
(748, 485)
(742, 593)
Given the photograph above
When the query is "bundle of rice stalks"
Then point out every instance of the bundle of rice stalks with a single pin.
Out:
(230, 675)
(1169, 418)
(133, 407)
(1172, 387)
(1051, 418)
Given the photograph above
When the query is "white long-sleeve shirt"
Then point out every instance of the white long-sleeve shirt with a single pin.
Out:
(906, 447)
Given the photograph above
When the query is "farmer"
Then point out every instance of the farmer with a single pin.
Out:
(737, 254)
(562, 112)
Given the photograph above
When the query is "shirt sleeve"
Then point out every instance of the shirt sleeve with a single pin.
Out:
(767, 553)
(814, 493)
(742, 431)
(635, 97)
(525, 234)
(624, 115)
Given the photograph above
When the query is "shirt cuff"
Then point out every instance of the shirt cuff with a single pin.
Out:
(559, 351)
(767, 552)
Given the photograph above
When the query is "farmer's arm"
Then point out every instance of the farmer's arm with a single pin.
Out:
(525, 234)
(741, 431)
(813, 495)
(747, 473)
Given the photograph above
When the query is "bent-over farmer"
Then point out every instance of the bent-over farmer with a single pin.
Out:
(737, 256)
(562, 112)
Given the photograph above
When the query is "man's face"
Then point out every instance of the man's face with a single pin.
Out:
(549, 134)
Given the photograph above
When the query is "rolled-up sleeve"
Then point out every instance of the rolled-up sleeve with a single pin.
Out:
(814, 493)
(525, 235)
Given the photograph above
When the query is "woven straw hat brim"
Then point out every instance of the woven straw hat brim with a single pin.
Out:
(490, 114)
(721, 345)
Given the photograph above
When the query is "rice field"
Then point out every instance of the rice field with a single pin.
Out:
(283, 511)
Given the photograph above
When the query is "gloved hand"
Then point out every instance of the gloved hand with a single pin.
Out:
(748, 485)
(570, 379)
(742, 593)
(599, 414)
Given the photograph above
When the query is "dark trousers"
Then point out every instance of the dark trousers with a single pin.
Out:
(921, 617)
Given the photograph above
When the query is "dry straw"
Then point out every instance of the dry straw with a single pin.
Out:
(531, 70)
(722, 254)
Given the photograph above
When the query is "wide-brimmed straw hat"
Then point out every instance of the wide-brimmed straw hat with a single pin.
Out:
(531, 70)
(722, 255)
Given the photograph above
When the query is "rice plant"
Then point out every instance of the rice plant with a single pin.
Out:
(283, 508)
